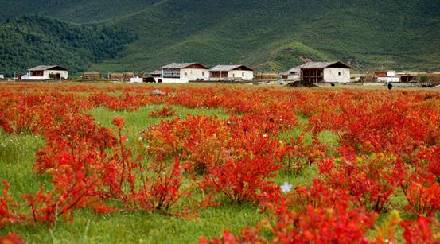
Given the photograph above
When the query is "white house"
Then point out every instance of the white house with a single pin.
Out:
(46, 72)
(2, 77)
(234, 72)
(184, 73)
(331, 72)
(294, 74)
(386, 76)
(135, 80)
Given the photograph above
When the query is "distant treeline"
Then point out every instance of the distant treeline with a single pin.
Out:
(31, 41)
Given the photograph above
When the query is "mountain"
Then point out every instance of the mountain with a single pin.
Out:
(29, 41)
(266, 34)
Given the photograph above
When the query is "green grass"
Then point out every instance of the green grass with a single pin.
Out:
(17, 155)
(142, 227)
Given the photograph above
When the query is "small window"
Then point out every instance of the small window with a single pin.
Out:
(233, 75)
(339, 73)
(203, 73)
(186, 74)
(242, 74)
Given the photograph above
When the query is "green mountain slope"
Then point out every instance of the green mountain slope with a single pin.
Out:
(30, 41)
(266, 34)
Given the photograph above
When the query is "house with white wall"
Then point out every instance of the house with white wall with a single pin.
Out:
(184, 72)
(46, 72)
(294, 74)
(236, 72)
(386, 76)
(330, 72)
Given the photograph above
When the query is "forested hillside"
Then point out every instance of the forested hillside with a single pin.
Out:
(266, 34)
(30, 41)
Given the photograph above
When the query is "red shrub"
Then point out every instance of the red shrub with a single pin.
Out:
(242, 180)
(423, 197)
(7, 207)
(163, 113)
(420, 231)
(11, 238)
(370, 180)
(296, 155)
(161, 190)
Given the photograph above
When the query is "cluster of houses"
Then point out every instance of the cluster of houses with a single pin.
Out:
(186, 72)
(312, 72)
(307, 73)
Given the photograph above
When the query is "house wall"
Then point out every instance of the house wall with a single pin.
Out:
(388, 79)
(233, 75)
(192, 74)
(46, 75)
(175, 80)
(136, 80)
(241, 74)
(63, 74)
(294, 77)
(337, 75)
(187, 75)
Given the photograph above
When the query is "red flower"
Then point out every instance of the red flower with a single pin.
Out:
(118, 122)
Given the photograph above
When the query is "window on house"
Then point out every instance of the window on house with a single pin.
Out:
(339, 73)
(186, 73)
(171, 73)
(203, 73)
(242, 74)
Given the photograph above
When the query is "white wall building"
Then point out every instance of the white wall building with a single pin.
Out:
(294, 74)
(184, 73)
(331, 72)
(135, 80)
(235, 72)
(46, 72)
(386, 76)
(2, 77)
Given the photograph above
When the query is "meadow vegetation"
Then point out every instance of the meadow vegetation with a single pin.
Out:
(218, 164)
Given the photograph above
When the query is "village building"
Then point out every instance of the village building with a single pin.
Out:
(91, 76)
(136, 80)
(121, 76)
(2, 77)
(157, 76)
(331, 72)
(234, 72)
(386, 76)
(184, 73)
(284, 75)
(266, 76)
(294, 74)
(46, 72)
(411, 76)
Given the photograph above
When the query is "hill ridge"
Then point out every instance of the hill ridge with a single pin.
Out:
(266, 34)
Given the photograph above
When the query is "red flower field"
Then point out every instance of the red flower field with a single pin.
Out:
(368, 160)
